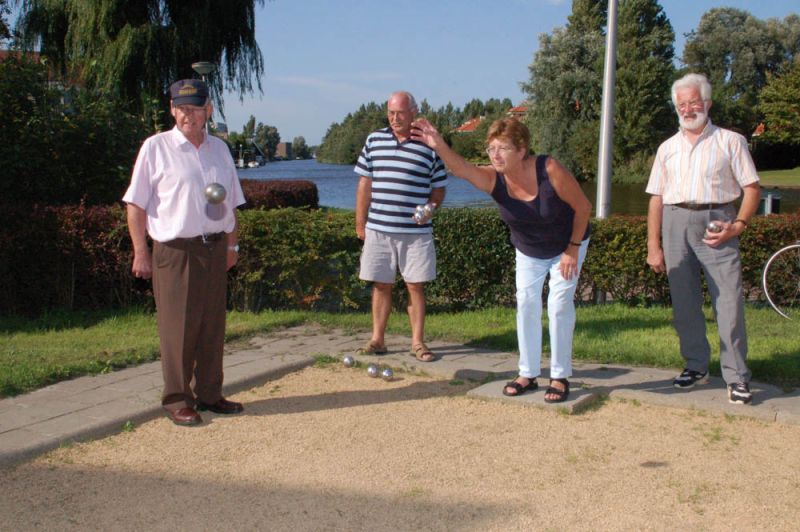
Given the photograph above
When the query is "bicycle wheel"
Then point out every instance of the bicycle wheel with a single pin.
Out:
(781, 281)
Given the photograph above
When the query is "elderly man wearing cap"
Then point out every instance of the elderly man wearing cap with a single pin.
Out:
(194, 244)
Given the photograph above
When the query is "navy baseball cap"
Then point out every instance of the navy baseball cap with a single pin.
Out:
(189, 92)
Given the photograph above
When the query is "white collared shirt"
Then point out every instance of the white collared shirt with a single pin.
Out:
(169, 181)
(712, 170)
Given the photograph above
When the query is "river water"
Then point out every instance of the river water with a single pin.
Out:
(336, 185)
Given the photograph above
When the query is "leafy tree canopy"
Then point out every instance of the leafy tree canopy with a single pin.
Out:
(135, 49)
(738, 52)
(780, 103)
(343, 141)
(5, 34)
(300, 148)
(62, 147)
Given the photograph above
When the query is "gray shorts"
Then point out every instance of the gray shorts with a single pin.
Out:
(384, 253)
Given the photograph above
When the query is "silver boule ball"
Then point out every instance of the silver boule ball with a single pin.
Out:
(387, 374)
(372, 370)
(712, 228)
(215, 193)
(349, 361)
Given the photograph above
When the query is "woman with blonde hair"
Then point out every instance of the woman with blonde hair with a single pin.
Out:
(547, 214)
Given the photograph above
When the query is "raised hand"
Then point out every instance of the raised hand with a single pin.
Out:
(424, 131)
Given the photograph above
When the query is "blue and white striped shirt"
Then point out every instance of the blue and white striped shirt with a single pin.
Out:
(403, 175)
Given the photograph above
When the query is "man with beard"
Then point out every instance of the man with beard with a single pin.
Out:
(696, 176)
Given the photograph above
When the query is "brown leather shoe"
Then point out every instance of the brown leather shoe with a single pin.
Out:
(223, 406)
(185, 416)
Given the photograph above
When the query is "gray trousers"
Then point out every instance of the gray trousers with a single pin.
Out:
(685, 255)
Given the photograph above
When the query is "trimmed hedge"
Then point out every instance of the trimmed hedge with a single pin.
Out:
(297, 258)
(279, 193)
(80, 257)
(66, 257)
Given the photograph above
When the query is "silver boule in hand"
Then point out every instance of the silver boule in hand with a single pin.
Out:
(711, 229)
(215, 193)
(424, 213)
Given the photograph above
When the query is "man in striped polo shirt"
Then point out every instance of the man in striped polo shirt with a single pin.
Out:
(696, 176)
(397, 174)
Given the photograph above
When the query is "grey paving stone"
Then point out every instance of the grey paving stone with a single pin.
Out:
(137, 383)
(19, 445)
(579, 399)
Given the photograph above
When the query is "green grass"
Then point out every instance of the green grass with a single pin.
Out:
(780, 178)
(58, 346)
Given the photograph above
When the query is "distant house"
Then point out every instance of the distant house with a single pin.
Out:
(469, 126)
(220, 129)
(472, 124)
(54, 78)
(284, 151)
(33, 57)
(518, 112)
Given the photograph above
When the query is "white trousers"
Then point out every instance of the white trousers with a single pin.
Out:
(530, 278)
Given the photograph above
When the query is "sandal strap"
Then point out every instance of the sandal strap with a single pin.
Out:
(422, 352)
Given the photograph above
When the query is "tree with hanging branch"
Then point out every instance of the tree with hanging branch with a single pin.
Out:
(133, 49)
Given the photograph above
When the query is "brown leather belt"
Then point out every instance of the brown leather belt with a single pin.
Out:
(701, 206)
(205, 239)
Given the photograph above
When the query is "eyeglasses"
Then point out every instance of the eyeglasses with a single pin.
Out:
(188, 109)
(691, 104)
(499, 149)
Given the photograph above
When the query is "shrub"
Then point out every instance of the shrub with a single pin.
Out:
(60, 147)
(80, 257)
(66, 257)
(295, 258)
(279, 193)
(475, 260)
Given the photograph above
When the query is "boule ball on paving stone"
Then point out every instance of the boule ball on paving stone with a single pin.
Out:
(349, 361)
(372, 370)
(215, 193)
(387, 374)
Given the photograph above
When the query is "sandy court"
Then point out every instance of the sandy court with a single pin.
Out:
(331, 449)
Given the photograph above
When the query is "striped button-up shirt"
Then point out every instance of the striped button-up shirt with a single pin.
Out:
(712, 170)
(403, 175)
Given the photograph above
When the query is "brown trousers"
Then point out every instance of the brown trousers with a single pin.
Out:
(190, 288)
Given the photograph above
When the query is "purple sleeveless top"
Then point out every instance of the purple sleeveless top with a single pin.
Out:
(540, 228)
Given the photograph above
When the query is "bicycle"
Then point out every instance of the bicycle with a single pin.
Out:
(781, 281)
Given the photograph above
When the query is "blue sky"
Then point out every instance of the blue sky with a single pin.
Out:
(324, 58)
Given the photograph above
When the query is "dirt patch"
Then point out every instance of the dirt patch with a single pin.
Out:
(332, 449)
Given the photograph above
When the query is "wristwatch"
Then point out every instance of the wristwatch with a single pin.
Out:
(234, 248)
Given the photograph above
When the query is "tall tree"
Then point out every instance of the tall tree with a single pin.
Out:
(588, 16)
(249, 129)
(268, 138)
(565, 87)
(135, 49)
(644, 76)
(779, 103)
(564, 95)
(300, 148)
(737, 51)
(5, 34)
(343, 142)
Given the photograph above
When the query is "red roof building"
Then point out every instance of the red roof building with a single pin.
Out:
(469, 126)
(518, 111)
